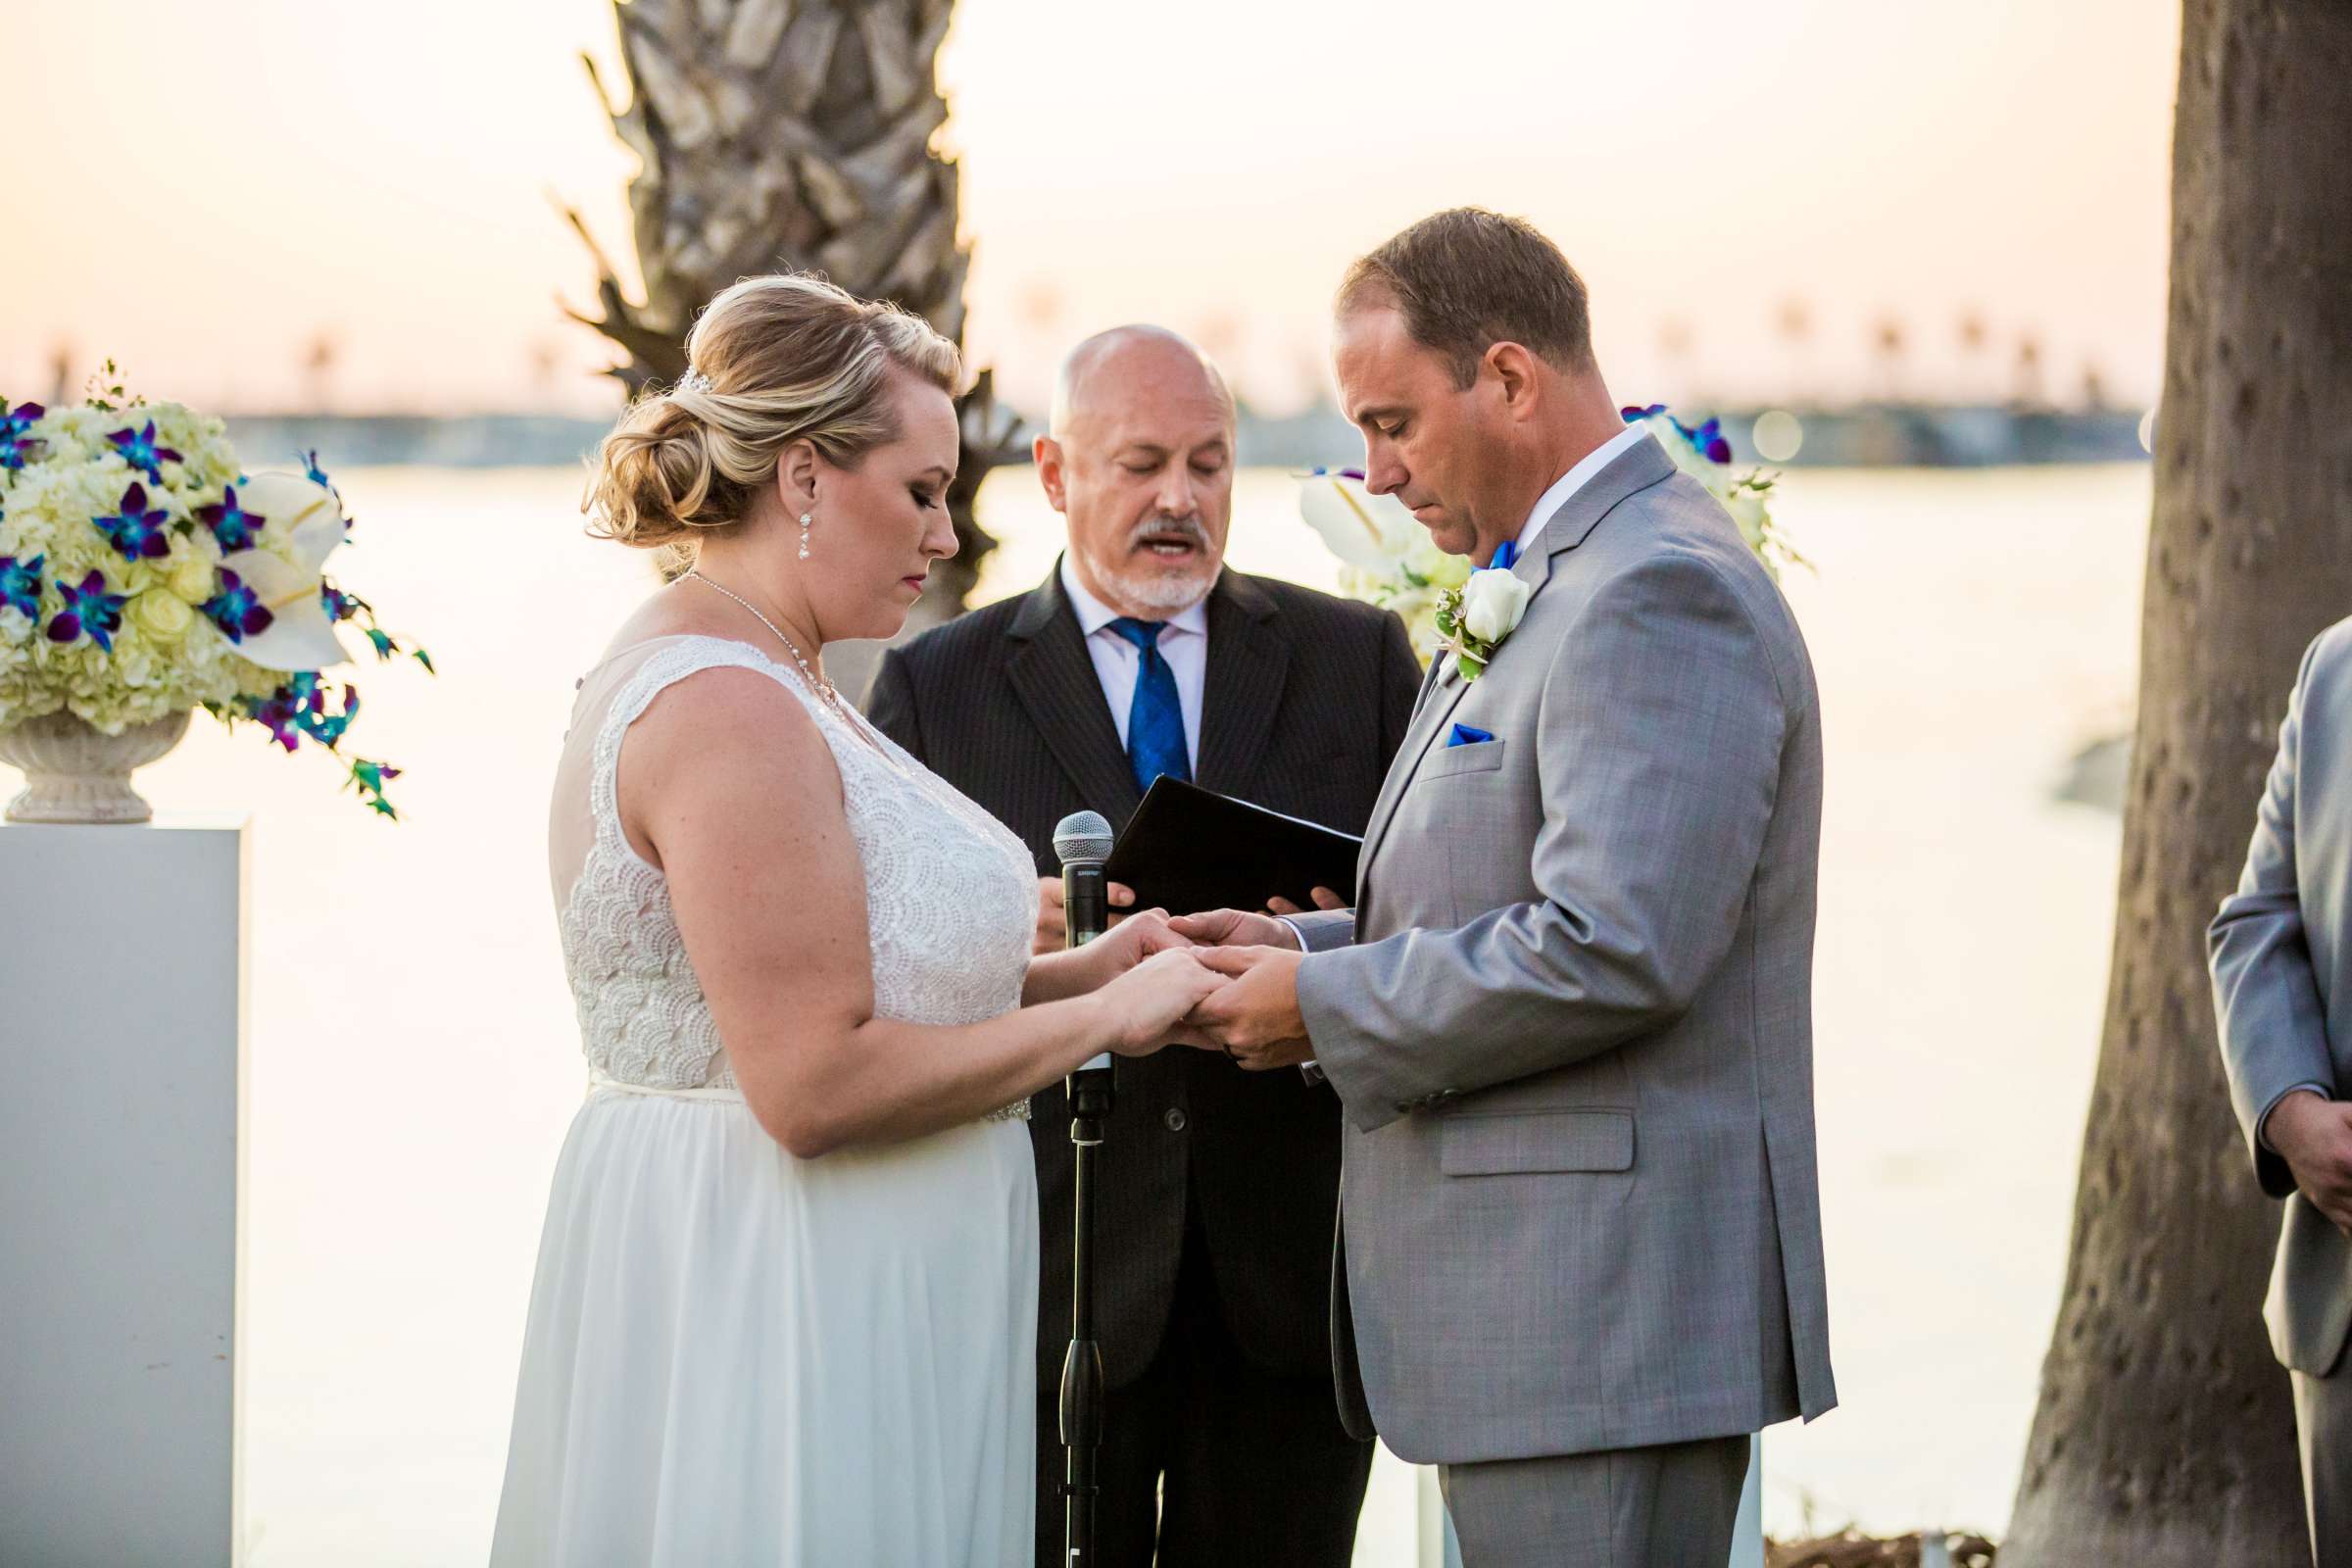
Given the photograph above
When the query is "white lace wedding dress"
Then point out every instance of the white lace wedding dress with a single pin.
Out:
(735, 1356)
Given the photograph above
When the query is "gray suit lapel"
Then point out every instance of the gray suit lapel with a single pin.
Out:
(1630, 471)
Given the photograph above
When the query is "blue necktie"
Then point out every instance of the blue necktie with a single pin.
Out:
(1155, 717)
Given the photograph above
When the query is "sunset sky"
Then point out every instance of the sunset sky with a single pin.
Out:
(203, 191)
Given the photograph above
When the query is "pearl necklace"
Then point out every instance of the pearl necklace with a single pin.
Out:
(823, 687)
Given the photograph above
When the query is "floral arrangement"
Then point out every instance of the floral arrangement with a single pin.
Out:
(1386, 558)
(1703, 454)
(143, 573)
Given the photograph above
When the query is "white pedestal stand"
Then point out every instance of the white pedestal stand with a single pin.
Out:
(122, 980)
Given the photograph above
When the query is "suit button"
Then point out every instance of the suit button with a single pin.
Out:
(1175, 1119)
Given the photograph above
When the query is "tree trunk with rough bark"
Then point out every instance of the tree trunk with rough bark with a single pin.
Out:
(781, 134)
(2165, 1433)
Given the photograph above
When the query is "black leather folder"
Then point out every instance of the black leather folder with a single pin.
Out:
(1188, 848)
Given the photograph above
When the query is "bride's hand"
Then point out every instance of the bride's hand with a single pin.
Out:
(1147, 1003)
(1129, 943)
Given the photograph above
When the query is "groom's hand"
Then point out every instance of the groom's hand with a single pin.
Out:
(1324, 899)
(2314, 1135)
(1256, 1019)
(1235, 928)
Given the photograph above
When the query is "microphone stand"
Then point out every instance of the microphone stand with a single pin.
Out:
(1091, 1090)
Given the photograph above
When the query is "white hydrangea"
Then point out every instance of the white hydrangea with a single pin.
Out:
(168, 656)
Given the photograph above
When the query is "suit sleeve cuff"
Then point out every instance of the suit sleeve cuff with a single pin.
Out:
(1311, 1069)
(1322, 930)
(2262, 1123)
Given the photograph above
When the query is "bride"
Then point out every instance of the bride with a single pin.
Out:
(786, 1294)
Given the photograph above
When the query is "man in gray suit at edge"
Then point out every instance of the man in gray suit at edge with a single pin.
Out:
(1570, 1020)
(2281, 955)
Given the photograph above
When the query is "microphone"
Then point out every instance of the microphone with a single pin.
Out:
(1082, 842)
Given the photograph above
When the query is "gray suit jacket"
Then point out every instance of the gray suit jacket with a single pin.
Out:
(2281, 955)
(1570, 1021)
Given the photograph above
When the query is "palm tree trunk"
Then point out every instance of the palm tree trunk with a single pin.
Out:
(2165, 1433)
(787, 134)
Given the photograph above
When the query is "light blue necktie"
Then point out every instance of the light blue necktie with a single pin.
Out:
(1155, 717)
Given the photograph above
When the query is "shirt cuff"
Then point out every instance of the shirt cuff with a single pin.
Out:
(1311, 1069)
(2262, 1126)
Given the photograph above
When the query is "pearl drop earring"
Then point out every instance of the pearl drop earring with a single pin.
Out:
(805, 520)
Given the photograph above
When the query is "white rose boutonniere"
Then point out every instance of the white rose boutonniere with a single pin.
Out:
(1476, 617)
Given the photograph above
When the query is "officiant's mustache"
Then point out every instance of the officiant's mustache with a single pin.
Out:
(1165, 529)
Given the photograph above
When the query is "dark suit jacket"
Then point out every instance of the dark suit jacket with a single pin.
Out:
(1305, 699)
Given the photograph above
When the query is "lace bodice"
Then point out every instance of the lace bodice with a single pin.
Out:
(950, 894)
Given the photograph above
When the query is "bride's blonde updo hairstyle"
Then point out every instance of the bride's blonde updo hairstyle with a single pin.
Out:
(770, 360)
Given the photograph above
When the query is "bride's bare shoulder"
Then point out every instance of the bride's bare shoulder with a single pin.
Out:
(666, 614)
(719, 740)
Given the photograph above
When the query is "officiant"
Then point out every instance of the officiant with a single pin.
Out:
(1141, 653)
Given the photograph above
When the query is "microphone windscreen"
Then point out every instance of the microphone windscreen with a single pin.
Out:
(1082, 837)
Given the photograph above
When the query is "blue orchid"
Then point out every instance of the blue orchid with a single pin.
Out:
(90, 612)
(1708, 438)
(284, 713)
(298, 708)
(368, 779)
(136, 530)
(231, 525)
(138, 449)
(16, 441)
(21, 585)
(236, 609)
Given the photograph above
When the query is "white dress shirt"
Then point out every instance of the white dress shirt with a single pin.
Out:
(1575, 479)
(1184, 643)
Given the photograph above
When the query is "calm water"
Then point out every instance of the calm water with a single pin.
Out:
(414, 1064)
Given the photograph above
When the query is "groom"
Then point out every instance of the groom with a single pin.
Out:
(1569, 1020)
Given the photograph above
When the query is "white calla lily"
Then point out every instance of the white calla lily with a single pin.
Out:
(306, 524)
(1362, 529)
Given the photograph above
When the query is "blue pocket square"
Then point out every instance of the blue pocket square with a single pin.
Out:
(1467, 735)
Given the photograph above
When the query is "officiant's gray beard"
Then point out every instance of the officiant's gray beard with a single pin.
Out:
(1176, 586)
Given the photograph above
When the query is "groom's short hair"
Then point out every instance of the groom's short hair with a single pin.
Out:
(1465, 279)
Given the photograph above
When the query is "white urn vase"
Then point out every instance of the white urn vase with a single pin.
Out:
(76, 773)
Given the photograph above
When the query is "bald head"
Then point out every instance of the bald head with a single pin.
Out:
(1139, 459)
(1135, 364)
